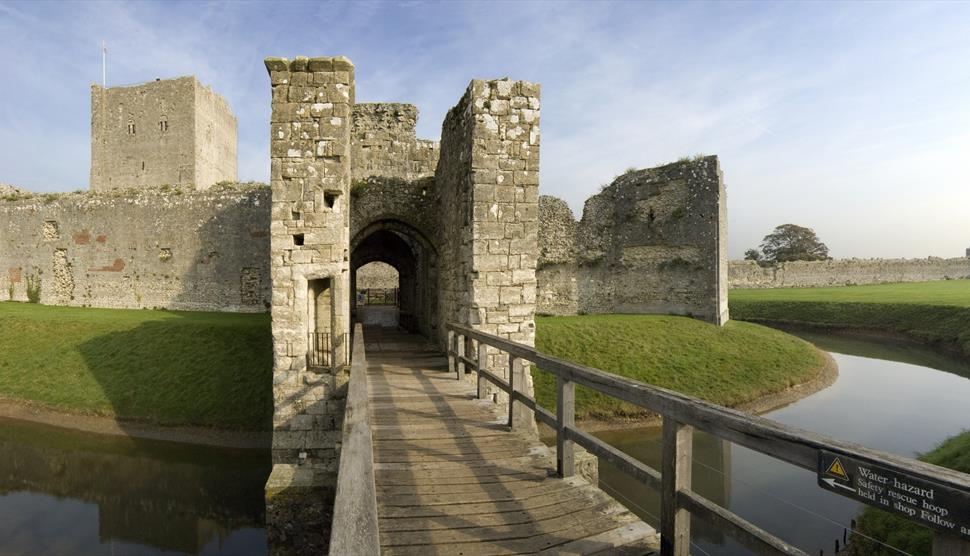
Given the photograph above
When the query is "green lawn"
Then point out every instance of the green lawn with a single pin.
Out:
(164, 367)
(936, 313)
(902, 533)
(727, 365)
(953, 293)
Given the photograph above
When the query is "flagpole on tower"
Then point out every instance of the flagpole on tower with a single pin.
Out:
(104, 64)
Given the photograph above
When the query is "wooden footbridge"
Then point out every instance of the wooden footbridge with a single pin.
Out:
(429, 466)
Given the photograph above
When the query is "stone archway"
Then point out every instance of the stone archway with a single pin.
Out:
(402, 246)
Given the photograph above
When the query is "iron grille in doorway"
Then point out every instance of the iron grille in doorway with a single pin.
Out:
(326, 350)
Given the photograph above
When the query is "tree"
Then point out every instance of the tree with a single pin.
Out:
(752, 255)
(793, 243)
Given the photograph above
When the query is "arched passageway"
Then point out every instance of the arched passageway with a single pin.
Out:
(377, 294)
(410, 253)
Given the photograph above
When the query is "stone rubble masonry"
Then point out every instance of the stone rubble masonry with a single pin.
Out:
(846, 272)
(488, 179)
(7, 190)
(185, 250)
(310, 174)
(312, 100)
(173, 132)
(653, 241)
(383, 143)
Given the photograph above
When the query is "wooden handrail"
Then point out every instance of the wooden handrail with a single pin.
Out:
(681, 413)
(354, 529)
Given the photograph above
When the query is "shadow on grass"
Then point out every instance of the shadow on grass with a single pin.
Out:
(201, 369)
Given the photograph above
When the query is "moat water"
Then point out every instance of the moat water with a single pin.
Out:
(902, 399)
(69, 493)
(64, 492)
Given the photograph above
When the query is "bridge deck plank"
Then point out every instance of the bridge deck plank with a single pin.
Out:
(451, 479)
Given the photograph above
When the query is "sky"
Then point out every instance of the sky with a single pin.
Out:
(849, 118)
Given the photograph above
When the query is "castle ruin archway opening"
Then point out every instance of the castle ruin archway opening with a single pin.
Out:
(412, 255)
(377, 287)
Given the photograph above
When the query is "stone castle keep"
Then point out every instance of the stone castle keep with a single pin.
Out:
(172, 132)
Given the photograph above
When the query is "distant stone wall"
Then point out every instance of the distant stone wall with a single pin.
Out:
(653, 241)
(383, 143)
(377, 275)
(844, 272)
(150, 249)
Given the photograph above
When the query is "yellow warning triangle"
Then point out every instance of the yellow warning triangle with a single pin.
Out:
(836, 469)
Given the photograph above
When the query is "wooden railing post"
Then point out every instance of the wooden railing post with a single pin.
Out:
(565, 417)
(461, 353)
(675, 470)
(519, 417)
(949, 545)
(482, 364)
(452, 349)
(513, 384)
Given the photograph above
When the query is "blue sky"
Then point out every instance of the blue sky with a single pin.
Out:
(851, 118)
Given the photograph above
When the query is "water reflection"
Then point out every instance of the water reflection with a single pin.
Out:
(894, 397)
(63, 492)
(712, 464)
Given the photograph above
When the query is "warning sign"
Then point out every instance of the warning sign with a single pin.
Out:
(924, 502)
(837, 470)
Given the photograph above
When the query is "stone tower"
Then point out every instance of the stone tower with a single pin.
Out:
(164, 132)
(309, 241)
(310, 173)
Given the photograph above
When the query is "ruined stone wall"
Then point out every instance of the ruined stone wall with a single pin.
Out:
(845, 272)
(653, 241)
(384, 143)
(377, 275)
(167, 132)
(310, 239)
(9, 191)
(187, 250)
(557, 279)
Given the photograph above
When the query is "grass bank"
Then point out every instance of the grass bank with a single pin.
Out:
(934, 313)
(901, 533)
(729, 365)
(160, 367)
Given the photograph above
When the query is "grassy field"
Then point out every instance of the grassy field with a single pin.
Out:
(902, 533)
(951, 293)
(727, 365)
(164, 367)
(931, 312)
